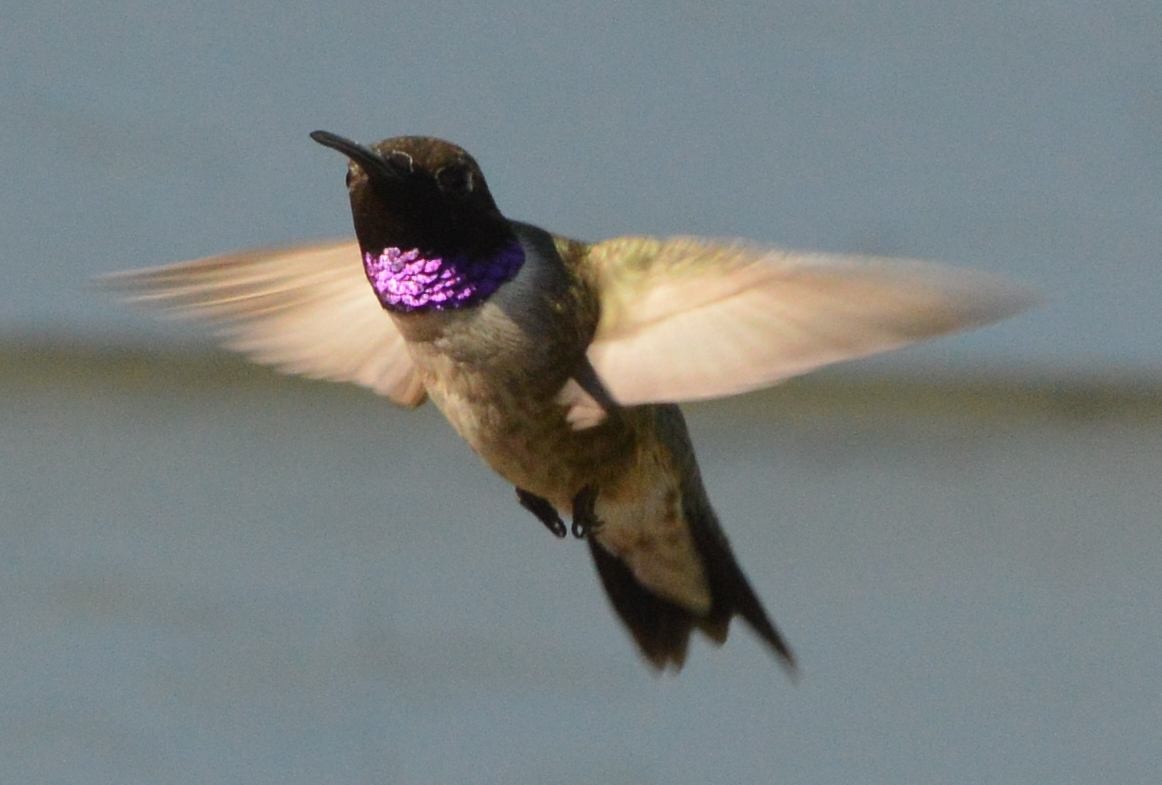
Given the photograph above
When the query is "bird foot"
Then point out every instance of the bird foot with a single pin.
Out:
(546, 513)
(585, 520)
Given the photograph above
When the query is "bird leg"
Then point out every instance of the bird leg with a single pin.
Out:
(585, 520)
(545, 512)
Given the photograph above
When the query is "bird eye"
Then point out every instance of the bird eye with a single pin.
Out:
(455, 179)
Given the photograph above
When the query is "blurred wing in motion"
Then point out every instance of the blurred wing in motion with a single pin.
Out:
(305, 310)
(684, 318)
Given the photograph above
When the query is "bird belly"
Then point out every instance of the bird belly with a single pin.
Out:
(528, 442)
(638, 505)
(501, 395)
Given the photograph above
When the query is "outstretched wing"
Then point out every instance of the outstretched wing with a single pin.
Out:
(684, 318)
(305, 310)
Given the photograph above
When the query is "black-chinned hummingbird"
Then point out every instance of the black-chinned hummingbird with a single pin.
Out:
(561, 363)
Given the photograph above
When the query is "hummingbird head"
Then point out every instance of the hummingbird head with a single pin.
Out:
(419, 192)
(430, 232)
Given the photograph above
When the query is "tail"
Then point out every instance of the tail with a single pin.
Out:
(660, 627)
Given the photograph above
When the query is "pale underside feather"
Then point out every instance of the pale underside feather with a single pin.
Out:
(305, 310)
(686, 319)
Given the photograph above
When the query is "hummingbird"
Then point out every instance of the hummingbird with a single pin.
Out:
(562, 363)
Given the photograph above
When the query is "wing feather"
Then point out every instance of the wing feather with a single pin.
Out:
(686, 319)
(305, 310)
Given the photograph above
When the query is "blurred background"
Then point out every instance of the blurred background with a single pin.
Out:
(211, 574)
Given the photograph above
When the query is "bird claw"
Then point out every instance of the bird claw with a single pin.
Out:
(543, 510)
(585, 520)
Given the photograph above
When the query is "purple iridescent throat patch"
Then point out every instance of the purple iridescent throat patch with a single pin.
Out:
(410, 280)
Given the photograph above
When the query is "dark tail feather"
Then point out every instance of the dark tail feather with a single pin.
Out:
(730, 591)
(733, 594)
(661, 628)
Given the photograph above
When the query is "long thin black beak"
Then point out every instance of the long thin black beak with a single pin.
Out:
(378, 169)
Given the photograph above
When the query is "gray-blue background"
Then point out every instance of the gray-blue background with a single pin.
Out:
(1016, 137)
(209, 575)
